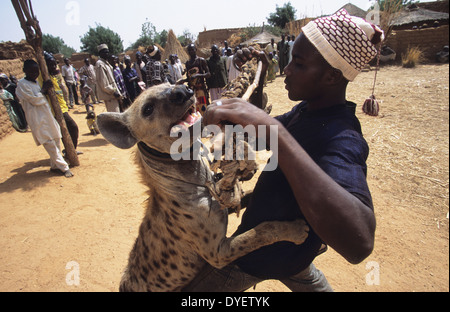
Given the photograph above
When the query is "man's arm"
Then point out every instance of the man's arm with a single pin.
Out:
(64, 89)
(339, 218)
(103, 83)
(25, 94)
(206, 73)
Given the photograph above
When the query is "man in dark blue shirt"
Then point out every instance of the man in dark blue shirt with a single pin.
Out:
(321, 174)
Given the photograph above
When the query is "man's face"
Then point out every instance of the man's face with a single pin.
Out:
(304, 75)
(3, 82)
(104, 54)
(192, 51)
(215, 51)
(32, 71)
(52, 67)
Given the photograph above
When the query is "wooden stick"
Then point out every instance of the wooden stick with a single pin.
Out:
(255, 83)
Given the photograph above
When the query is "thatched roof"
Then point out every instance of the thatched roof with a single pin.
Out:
(354, 10)
(262, 38)
(417, 15)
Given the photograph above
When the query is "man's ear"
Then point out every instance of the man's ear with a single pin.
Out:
(113, 127)
(334, 76)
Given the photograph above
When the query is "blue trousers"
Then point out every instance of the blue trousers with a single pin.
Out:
(233, 279)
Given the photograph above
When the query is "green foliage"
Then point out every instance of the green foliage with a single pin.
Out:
(186, 38)
(150, 36)
(282, 16)
(161, 38)
(56, 45)
(101, 35)
(141, 42)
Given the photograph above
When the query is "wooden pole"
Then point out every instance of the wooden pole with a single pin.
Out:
(33, 35)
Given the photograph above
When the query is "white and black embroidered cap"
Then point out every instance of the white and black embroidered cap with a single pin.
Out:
(347, 43)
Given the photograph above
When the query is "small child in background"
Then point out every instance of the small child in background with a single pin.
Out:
(92, 120)
(85, 91)
(91, 116)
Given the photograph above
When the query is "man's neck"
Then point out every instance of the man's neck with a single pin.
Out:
(326, 102)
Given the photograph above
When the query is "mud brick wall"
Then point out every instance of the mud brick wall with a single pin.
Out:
(12, 67)
(13, 50)
(295, 27)
(207, 38)
(5, 124)
(430, 40)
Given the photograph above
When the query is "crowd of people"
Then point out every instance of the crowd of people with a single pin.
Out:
(207, 77)
(117, 83)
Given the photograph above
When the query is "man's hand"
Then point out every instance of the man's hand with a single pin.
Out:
(47, 85)
(237, 112)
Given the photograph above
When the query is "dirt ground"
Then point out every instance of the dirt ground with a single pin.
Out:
(51, 227)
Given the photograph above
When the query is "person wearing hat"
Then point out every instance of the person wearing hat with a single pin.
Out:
(322, 173)
(154, 68)
(106, 85)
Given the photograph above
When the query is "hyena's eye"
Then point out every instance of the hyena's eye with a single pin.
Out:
(148, 109)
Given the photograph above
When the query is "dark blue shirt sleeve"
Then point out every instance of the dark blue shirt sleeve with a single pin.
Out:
(344, 160)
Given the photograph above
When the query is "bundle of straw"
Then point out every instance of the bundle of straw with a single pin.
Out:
(173, 46)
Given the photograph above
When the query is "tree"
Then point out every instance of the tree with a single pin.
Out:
(282, 16)
(56, 45)
(101, 35)
(150, 36)
(186, 38)
(161, 38)
(146, 38)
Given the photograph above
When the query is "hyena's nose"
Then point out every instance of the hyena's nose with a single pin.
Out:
(180, 94)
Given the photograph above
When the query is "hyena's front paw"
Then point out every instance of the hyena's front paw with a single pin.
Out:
(297, 231)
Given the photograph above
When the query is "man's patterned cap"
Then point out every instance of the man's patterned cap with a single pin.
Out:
(346, 42)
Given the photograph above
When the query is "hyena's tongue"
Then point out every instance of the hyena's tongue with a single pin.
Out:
(186, 122)
(189, 119)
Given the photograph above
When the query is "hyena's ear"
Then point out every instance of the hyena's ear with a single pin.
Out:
(114, 129)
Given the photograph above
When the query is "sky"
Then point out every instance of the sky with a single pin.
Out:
(70, 19)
